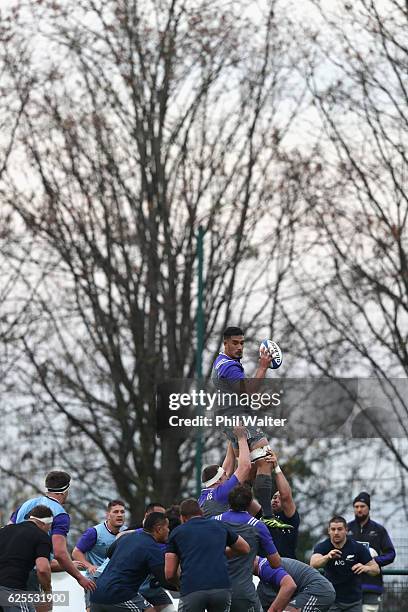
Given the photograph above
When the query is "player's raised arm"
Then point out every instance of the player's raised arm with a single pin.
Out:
(244, 462)
(285, 492)
(228, 464)
(251, 385)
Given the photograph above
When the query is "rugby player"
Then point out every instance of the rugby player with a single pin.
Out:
(57, 485)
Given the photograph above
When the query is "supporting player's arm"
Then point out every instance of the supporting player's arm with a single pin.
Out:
(171, 565)
(286, 589)
(229, 461)
(244, 462)
(280, 581)
(159, 573)
(317, 560)
(371, 568)
(288, 505)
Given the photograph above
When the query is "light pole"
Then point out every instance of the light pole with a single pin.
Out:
(199, 350)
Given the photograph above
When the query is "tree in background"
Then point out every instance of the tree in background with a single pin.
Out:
(140, 122)
(354, 282)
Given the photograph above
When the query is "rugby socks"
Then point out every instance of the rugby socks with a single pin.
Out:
(263, 492)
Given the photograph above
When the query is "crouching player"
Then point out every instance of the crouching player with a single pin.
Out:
(306, 591)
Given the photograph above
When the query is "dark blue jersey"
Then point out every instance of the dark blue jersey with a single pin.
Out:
(346, 583)
(374, 536)
(286, 539)
(133, 559)
(200, 546)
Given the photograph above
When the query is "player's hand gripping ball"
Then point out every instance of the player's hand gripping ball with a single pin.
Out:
(274, 351)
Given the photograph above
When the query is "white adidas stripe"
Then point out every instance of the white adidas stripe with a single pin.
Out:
(310, 605)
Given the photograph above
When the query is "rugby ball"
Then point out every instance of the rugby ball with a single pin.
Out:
(273, 349)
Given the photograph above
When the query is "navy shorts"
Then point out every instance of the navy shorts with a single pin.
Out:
(213, 600)
(136, 604)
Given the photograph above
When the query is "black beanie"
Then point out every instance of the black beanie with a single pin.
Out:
(362, 497)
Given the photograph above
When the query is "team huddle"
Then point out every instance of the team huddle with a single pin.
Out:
(205, 551)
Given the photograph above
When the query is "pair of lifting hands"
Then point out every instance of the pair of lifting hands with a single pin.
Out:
(257, 450)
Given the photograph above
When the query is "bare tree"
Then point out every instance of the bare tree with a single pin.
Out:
(10, 272)
(355, 281)
(143, 121)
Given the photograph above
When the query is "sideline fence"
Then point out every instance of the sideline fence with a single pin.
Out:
(395, 597)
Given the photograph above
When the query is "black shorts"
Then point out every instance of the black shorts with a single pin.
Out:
(212, 600)
(244, 605)
(157, 596)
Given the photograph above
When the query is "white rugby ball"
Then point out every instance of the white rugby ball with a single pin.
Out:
(273, 349)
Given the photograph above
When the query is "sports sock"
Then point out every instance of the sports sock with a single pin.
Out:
(263, 492)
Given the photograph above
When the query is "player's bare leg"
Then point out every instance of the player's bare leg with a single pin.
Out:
(261, 476)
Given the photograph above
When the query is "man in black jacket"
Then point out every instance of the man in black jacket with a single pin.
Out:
(375, 537)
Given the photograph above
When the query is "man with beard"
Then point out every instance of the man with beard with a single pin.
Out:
(375, 537)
